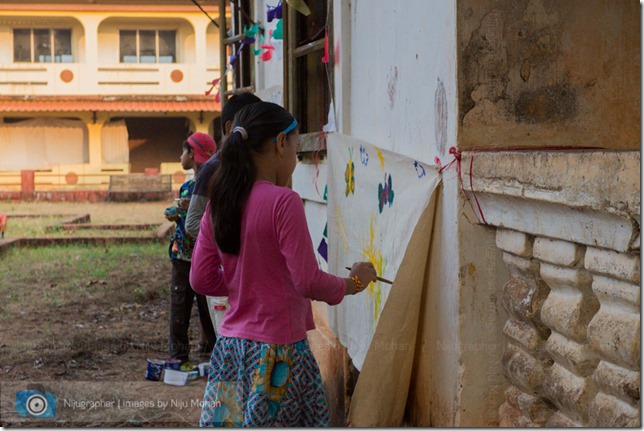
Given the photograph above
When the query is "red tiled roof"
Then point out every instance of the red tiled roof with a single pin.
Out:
(73, 105)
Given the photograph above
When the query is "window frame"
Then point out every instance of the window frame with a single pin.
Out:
(53, 32)
(137, 48)
(298, 68)
(241, 78)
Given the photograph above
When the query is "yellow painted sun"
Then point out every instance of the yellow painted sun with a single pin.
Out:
(372, 252)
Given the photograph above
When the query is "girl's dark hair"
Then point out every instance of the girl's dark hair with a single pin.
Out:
(232, 182)
(186, 146)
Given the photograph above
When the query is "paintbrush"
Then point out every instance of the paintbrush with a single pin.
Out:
(384, 280)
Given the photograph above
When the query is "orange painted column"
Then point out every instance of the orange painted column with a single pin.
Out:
(27, 185)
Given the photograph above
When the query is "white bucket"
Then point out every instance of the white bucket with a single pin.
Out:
(174, 377)
(219, 306)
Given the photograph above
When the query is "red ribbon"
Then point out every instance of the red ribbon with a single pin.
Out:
(325, 57)
(212, 86)
(454, 151)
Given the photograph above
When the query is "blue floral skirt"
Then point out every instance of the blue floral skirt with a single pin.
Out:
(254, 384)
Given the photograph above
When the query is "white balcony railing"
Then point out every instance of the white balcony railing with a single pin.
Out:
(117, 79)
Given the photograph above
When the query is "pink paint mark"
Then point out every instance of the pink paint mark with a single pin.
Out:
(391, 87)
(325, 57)
(336, 53)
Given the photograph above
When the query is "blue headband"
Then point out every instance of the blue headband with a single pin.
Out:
(289, 129)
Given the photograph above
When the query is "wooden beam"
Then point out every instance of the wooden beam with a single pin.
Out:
(301, 51)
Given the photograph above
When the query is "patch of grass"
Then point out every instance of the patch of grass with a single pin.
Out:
(50, 227)
(30, 227)
(100, 212)
(56, 275)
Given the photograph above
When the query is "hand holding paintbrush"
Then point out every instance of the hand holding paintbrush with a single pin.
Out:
(362, 273)
(384, 280)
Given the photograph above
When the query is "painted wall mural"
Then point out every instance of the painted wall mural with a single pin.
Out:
(372, 211)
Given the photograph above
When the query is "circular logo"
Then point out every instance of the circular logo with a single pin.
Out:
(36, 405)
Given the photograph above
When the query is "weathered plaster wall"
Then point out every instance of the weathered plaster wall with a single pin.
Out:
(549, 73)
(403, 76)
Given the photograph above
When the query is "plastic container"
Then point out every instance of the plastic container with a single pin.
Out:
(172, 364)
(219, 305)
(174, 377)
(203, 369)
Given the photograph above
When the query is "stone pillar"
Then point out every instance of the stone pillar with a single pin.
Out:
(525, 361)
(614, 332)
(571, 243)
(567, 311)
(573, 335)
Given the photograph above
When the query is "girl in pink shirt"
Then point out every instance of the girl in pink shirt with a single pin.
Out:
(254, 247)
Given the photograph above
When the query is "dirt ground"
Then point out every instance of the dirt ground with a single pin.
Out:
(90, 352)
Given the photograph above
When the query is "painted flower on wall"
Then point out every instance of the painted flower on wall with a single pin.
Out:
(349, 176)
(385, 193)
(364, 156)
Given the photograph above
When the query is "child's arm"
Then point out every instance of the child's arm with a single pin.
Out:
(297, 247)
(206, 274)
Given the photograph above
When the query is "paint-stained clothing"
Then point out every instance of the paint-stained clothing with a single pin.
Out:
(272, 281)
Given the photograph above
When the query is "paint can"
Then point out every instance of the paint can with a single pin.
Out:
(172, 364)
(154, 369)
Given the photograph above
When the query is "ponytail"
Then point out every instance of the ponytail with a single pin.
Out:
(230, 187)
(254, 127)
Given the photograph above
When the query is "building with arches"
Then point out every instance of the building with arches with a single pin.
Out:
(96, 90)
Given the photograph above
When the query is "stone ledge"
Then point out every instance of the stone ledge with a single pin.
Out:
(559, 221)
(605, 181)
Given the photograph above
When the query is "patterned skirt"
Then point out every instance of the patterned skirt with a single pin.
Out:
(254, 384)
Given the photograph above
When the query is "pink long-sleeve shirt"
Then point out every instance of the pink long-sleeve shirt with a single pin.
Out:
(272, 281)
